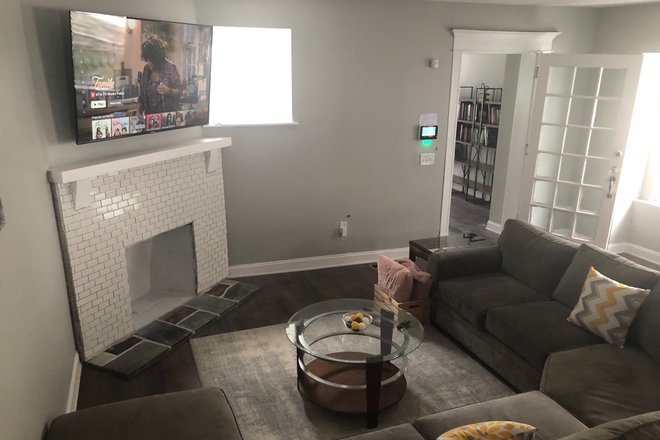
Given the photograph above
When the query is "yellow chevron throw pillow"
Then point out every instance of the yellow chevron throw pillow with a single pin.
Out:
(491, 431)
(607, 308)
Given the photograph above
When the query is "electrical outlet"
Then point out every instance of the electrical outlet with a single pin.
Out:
(427, 159)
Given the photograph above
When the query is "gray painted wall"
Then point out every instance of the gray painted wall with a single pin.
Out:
(36, 339)
(477, 68)
(633, 30)
(360, 81)
(644, 221)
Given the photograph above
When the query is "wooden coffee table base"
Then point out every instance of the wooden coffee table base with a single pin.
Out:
(349, 400)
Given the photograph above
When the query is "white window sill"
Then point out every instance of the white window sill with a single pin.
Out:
(649, 202)
(251, 125)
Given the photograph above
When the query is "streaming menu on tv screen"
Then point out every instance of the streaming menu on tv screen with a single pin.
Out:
(136, 76)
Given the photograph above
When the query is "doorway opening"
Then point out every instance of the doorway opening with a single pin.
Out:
(476, 146)
(490, 101)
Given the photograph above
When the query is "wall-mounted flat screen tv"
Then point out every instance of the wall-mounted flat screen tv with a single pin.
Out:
(134, 76)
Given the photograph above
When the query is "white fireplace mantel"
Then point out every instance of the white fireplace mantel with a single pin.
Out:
(80, 175)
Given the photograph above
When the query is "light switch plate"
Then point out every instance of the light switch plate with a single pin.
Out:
(427, 159)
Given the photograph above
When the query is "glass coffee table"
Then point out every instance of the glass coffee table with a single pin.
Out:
(353, 371)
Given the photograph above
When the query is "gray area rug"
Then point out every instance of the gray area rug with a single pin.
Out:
(257, 370)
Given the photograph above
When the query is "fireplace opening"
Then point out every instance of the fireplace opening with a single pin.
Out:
(161, 274)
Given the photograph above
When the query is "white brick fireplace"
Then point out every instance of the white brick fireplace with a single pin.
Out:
(104, 207)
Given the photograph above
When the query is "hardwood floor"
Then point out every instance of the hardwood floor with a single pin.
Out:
(282, 295)
(466, 216)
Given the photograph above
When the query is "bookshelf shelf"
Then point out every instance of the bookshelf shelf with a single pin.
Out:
(477, 132)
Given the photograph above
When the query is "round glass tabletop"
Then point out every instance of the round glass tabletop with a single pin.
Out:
(321, 331)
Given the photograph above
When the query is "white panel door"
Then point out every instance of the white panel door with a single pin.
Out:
(578, 133)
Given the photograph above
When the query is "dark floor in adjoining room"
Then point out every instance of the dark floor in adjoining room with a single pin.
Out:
(467, 216)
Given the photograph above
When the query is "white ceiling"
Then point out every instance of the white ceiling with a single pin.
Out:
(556, 2)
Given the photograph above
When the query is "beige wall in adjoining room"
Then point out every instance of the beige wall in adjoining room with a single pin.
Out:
(361, 78)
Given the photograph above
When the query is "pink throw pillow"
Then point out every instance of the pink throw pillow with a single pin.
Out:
(394, 279)
(422, 281)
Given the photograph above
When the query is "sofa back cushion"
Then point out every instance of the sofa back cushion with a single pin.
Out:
(645, 329)
(611, 265)
(534, 257)
(641, 427)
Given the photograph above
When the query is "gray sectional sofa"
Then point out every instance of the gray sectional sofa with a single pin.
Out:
(551, 420)
(508, 304)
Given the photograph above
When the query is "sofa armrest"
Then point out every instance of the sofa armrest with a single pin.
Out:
(464, 262)
(202, 414)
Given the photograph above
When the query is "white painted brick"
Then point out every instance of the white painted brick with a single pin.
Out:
(131, 206)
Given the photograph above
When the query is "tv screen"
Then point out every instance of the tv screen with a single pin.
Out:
(133, 76)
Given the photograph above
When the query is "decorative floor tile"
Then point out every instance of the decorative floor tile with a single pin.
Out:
(198, 320)
(240, 291)
(163, 333)
(130, 362)
(211, 304)
(130, 357)
(218, 290)
(177, 315)
(102, 359)
(122, 346)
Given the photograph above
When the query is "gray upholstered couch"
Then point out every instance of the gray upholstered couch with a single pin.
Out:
(202, 414)
(508, 304)
(551, 420)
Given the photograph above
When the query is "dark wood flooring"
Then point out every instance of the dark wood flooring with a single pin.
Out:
(467, 216)
(282, 295)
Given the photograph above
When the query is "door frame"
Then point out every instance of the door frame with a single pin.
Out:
(480, 42)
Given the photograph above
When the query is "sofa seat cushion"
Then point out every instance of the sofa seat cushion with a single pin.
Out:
(473, 296)
(401, 432)
(198, 414)
(535, 330)
(602, 383)
(551, 420)
(642, 427)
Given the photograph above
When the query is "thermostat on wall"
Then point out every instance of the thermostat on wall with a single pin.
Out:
(428, 132)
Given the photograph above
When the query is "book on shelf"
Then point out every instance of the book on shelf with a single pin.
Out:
(494, 115)
(465, 111)
(464, 133)
(488, 137)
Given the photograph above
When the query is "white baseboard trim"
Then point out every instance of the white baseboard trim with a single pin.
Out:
(494, 227)
(618, 248)
(74, 385)
(636, 250)
(298, 264)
